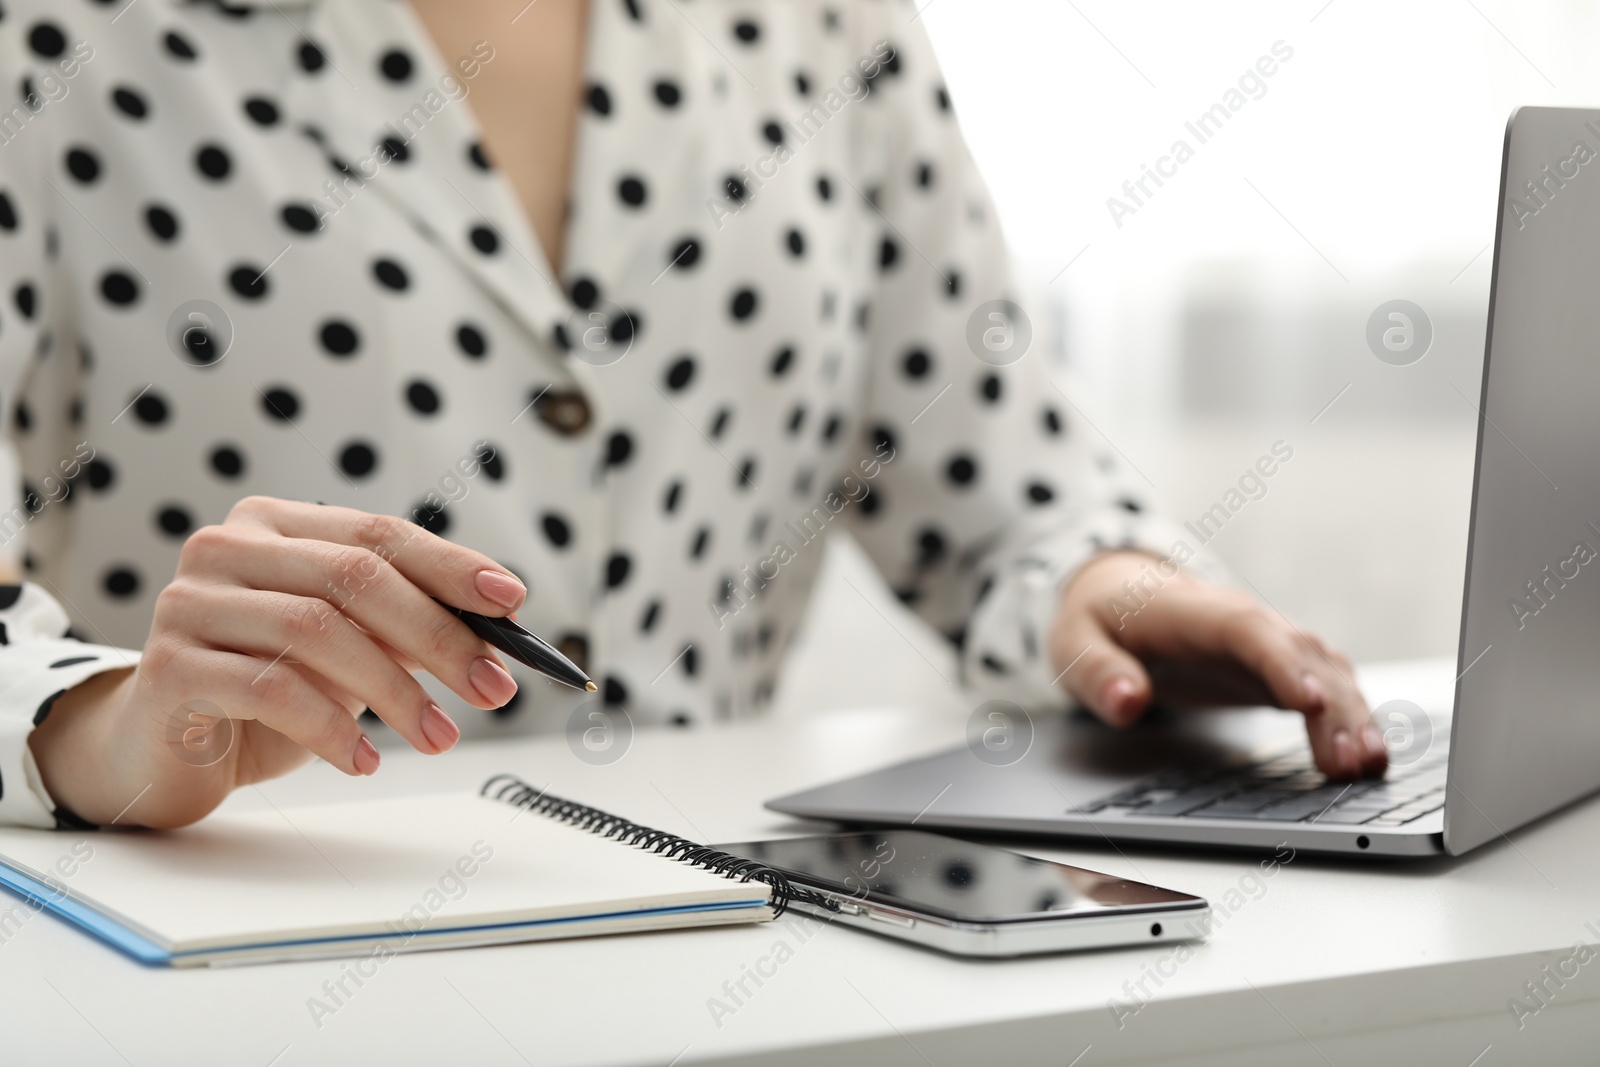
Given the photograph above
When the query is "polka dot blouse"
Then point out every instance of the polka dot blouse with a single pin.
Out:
(259, 249)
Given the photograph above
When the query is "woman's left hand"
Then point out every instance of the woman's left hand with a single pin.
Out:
(1186, 641)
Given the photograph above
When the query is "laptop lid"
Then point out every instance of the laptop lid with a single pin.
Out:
(1526, 732)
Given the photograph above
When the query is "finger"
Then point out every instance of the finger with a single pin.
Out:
(1344, 728)
(1099, 673)
(407, 664)
(1199, 623)
(1210, 683)
(279, 697)
(362, 585)
(303, 630)
(1302, 677)
(332, 690)
(456, 575)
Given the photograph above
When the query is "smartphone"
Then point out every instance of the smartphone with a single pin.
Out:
(974, 900)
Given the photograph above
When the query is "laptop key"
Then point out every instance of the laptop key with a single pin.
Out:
(1238, 806)
(1344, 817)
(1371, 807)
(1401, 816)
(1415, 810)
(1391, 794)
(1282, 788)
(1304, 807)
(1292, 810)
(1185, 802)
(1420, 814)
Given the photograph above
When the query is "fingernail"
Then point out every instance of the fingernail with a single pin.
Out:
(1344, 752)
(366, 757)
(440, 730)
(1312, 686)
(500, 588)
(1116, 695)
(491, 681)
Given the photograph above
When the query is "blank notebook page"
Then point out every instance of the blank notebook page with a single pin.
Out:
(340, 869)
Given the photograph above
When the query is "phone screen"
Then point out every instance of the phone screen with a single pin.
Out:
(952, 879)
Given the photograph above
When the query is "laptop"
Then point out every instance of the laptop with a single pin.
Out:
(1523, 736)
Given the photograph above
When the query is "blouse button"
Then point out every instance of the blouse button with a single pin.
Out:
(576, 648)
(567, 414)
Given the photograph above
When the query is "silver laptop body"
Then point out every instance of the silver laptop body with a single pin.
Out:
(1523, 737)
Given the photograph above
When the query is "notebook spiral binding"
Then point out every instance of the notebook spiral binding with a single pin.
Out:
(513, 790)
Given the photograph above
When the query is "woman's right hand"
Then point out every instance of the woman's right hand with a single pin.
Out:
(282, 624)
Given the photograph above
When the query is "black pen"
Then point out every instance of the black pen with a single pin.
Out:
(524, 646)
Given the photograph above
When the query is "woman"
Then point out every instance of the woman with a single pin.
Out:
(633, 298)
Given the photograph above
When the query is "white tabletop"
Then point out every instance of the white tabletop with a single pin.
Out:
(1322, 962)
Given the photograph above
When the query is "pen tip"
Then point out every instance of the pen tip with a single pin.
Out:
(589, 687)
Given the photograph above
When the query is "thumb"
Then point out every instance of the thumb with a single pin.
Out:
(1099, 673)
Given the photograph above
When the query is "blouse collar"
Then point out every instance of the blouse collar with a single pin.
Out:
(353, 113)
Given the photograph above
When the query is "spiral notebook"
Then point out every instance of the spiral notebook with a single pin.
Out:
(509, 864)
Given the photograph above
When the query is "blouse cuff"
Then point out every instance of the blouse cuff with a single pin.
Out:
(38, 663)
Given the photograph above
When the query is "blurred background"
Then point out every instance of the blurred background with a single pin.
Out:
(1229, 310)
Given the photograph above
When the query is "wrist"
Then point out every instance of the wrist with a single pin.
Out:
(1102, 577)
(1107, 590)
(75, 762)
(1118, 561)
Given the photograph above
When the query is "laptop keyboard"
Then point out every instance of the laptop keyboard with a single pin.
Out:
(1287, 788)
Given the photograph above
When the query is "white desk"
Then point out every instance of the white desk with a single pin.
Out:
(1339, 963)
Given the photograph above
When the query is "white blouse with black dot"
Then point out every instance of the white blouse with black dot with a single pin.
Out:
(258, 249)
